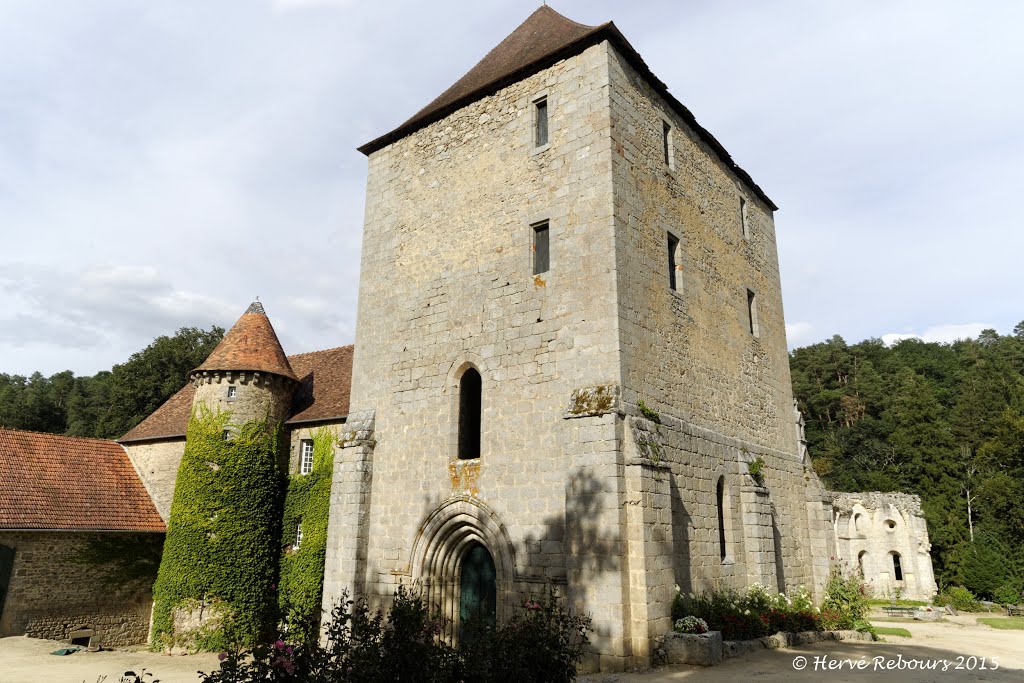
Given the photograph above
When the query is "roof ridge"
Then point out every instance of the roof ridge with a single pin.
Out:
(54, 434)
(332, 348)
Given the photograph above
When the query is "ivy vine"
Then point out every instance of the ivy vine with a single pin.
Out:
(307, 503)
(222, 539)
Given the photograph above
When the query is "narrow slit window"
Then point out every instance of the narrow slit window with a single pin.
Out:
(721, 518)
(541, 249)
(744, 225)
(226, 434)
(470, 404)
(673, 261)
(306, 459)
(752, 313)
(666, 142)
(897, 567)
(540, 131)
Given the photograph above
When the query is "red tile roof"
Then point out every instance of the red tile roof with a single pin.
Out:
(326, 381)
(251, 344)
(49, 481)
(326, 378)
(540, 41)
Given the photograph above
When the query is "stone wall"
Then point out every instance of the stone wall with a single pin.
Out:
(724, 393)
(157, 463)
(297, 434)
(871, 528)
(51, 595)
(259, 396)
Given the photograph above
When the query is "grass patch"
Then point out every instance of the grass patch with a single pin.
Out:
(891, 631)
(893, 620)
(1010, 623)
(901, 603)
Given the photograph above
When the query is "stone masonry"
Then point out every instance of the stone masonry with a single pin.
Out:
(52, 595)
(615, 506)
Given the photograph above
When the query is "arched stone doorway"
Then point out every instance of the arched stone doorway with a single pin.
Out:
(464, 562)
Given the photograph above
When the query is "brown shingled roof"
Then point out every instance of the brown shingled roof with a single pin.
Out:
(49, 481)
(326, 378)
(251, 344)
(545, 37)
(168, 421)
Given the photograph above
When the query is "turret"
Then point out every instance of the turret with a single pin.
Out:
(248, 373)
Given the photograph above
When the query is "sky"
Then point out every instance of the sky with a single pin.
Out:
(162, 164)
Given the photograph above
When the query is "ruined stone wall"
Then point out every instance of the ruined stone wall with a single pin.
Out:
(870, 528)
(446, 284)
(51, 595)
(157, 463)
(688, 353)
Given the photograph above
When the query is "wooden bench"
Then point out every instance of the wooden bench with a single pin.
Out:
(899, 611)
(1015, 610)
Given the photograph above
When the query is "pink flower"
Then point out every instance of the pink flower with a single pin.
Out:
(279, 645)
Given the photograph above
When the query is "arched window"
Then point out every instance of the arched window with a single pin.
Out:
(897, 568)
(470, 387)
(860, 562)
(721, 517)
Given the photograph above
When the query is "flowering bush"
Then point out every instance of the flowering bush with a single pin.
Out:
(541, 641)
(849, 598)
(753, 614)
(691, 625)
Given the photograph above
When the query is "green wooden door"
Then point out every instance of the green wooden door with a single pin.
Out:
(478, 594)
(6, 566)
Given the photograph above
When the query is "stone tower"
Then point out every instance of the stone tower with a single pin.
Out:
(223, 537)
(248, 373)
(570, 356)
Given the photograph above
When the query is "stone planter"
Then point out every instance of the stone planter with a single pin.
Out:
(704, 649)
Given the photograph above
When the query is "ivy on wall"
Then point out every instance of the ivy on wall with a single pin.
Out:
(222, 538)
(307, 502)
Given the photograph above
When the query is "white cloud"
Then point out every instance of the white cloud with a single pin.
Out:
(292, 5)
(940, 333)
(798, 333)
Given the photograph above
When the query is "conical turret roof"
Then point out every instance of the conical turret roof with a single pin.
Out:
(251, 344)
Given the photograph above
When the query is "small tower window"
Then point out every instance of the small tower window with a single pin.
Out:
(470, 403)
(541, 249)
(666, 143)
(232, 392)
(752, 313)
(897, 567)
(860, 562)
(226, 435)
(298, 536)
(674, 265)
(540, 128)
(305, 456)
(744, 225)
(721, 500)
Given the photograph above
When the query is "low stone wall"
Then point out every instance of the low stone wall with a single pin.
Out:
(52, 595)
(707, 649)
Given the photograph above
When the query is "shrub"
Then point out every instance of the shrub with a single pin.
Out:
(848, 598)
(541, 641)
(960, 598)
(1007, 594)
(745, 616)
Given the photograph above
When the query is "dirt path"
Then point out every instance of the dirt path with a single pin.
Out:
(27, 660)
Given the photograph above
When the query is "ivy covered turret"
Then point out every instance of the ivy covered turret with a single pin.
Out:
(219, 567)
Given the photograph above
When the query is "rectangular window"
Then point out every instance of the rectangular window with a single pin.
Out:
(673, 261)
(227, 435)
(306, 456)
(743, 219)
(752, 313)
(232, 392)
(541, 249)
(540, 130)
(666, 142)
(298, 536)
